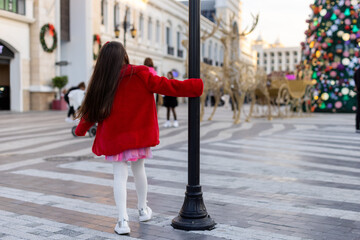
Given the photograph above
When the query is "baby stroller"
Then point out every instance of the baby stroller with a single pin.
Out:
(75, 99)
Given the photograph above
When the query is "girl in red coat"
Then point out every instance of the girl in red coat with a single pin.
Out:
(120, 99)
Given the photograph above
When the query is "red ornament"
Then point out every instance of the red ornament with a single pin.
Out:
(98, 38)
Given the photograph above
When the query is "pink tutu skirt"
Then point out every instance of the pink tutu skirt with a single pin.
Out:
(131, 155)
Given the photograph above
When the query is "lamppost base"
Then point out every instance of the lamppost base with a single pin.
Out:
(193, 214)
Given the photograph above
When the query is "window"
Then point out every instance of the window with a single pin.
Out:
(65, 20)
(203, 49)
(170, 48)
(178, 40)
(295, 53)
(295, 60)
(102, 12)
(265, 62)
(272, 61)
(265, 55)
(210, 50)
(116, 16)
(287, 60)
(216, 53)
(222, 55)
(157, 31)
(15, 6)
(272, 54)
(141, 26)
(279, 60)
(279, 54)
(258, 55)
(168, 36)
(287, 54)
(149, 30)
(178, 45)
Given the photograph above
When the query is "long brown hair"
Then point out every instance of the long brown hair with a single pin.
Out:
(104, 82)
(148, 62)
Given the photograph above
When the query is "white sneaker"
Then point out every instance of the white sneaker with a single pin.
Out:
(122, 227)
(176, 124)
(69, 120)
(167, 124)
(145, 215)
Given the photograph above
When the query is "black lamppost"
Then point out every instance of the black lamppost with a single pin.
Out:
(126, 25)
(193, 214)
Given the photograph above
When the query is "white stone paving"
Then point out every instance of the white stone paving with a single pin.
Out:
(16, 227)
(294, 189)
(269, 173)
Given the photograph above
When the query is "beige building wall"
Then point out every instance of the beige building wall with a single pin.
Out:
(42, 63)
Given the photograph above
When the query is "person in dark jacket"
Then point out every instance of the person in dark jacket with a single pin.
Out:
(357, 83)
(170, 103)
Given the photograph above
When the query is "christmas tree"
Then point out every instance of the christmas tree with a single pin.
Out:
(331, 50)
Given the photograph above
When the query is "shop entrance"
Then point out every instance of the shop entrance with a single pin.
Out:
(4, 85)
(5, 57)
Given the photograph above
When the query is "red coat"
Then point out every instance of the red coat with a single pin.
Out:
(133, 120)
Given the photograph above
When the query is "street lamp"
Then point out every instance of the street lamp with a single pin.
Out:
(193, 214)
(126, 25)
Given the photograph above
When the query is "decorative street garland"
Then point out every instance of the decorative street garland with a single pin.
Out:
(48, 27)
(97, 40)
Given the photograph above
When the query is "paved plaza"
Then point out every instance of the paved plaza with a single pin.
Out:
(296, 178)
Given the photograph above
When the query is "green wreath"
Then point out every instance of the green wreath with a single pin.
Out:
(96, 39)
(48, 27)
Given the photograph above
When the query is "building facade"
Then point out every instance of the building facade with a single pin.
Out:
(276, 57)
(148, 28)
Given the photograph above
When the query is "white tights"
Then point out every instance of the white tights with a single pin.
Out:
(120, 180)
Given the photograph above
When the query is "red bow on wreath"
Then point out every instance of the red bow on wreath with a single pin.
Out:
(51, 30)
(98, 38)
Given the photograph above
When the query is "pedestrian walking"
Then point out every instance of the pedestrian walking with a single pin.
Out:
(170, 102)
(120, 99)
(357, 83)
(71, 112)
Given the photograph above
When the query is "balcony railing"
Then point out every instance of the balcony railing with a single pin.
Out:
(208, 61)
(180, 53)
(170, 50)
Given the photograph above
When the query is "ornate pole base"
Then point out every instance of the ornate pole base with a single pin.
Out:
(193, 214)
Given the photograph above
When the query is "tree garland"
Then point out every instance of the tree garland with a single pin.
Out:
(96, 39)
(48, 27)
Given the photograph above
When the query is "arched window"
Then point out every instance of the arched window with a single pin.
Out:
(221, 55)
(141, 26)
(104, 12)
(149, 30)
(116, 16)
(216, 55)
(169, 40)
(157, 31)
(210, 53)
(203, 50)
